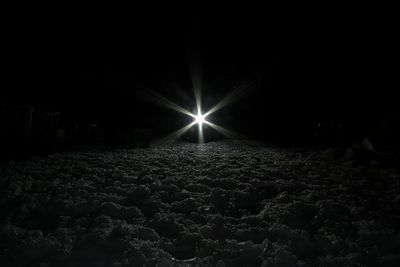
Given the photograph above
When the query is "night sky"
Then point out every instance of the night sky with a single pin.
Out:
(302, 72)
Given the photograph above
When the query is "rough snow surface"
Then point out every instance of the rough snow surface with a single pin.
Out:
(218, 204)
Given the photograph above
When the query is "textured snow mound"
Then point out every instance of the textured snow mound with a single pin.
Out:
(218, 204)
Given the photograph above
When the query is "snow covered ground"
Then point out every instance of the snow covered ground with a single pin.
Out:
(219, 204)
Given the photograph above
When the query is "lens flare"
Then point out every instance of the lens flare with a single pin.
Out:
(200, 119)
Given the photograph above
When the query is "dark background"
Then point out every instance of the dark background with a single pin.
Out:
(304, 71)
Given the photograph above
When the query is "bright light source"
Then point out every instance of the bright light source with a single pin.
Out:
(200, 119)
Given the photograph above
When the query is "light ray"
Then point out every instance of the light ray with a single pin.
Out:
(200, 118)
(165, 102)
(176, 134)
(197, 95)
(156, 98)
(225, 131)
(231, 97)
(201, 135)
(196, 75)
(169, 104)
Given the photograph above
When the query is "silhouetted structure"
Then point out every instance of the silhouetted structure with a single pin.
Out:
(15, 130)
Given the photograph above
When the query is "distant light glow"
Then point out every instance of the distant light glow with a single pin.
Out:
(200, 119)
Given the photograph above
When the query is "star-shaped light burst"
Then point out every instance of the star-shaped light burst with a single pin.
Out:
(201, 118)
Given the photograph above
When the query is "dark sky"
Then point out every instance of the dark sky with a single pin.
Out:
(302, 69)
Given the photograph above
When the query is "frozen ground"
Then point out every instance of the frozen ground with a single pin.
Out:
(221, 204)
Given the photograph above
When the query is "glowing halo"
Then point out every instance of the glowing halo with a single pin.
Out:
(200, 119)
